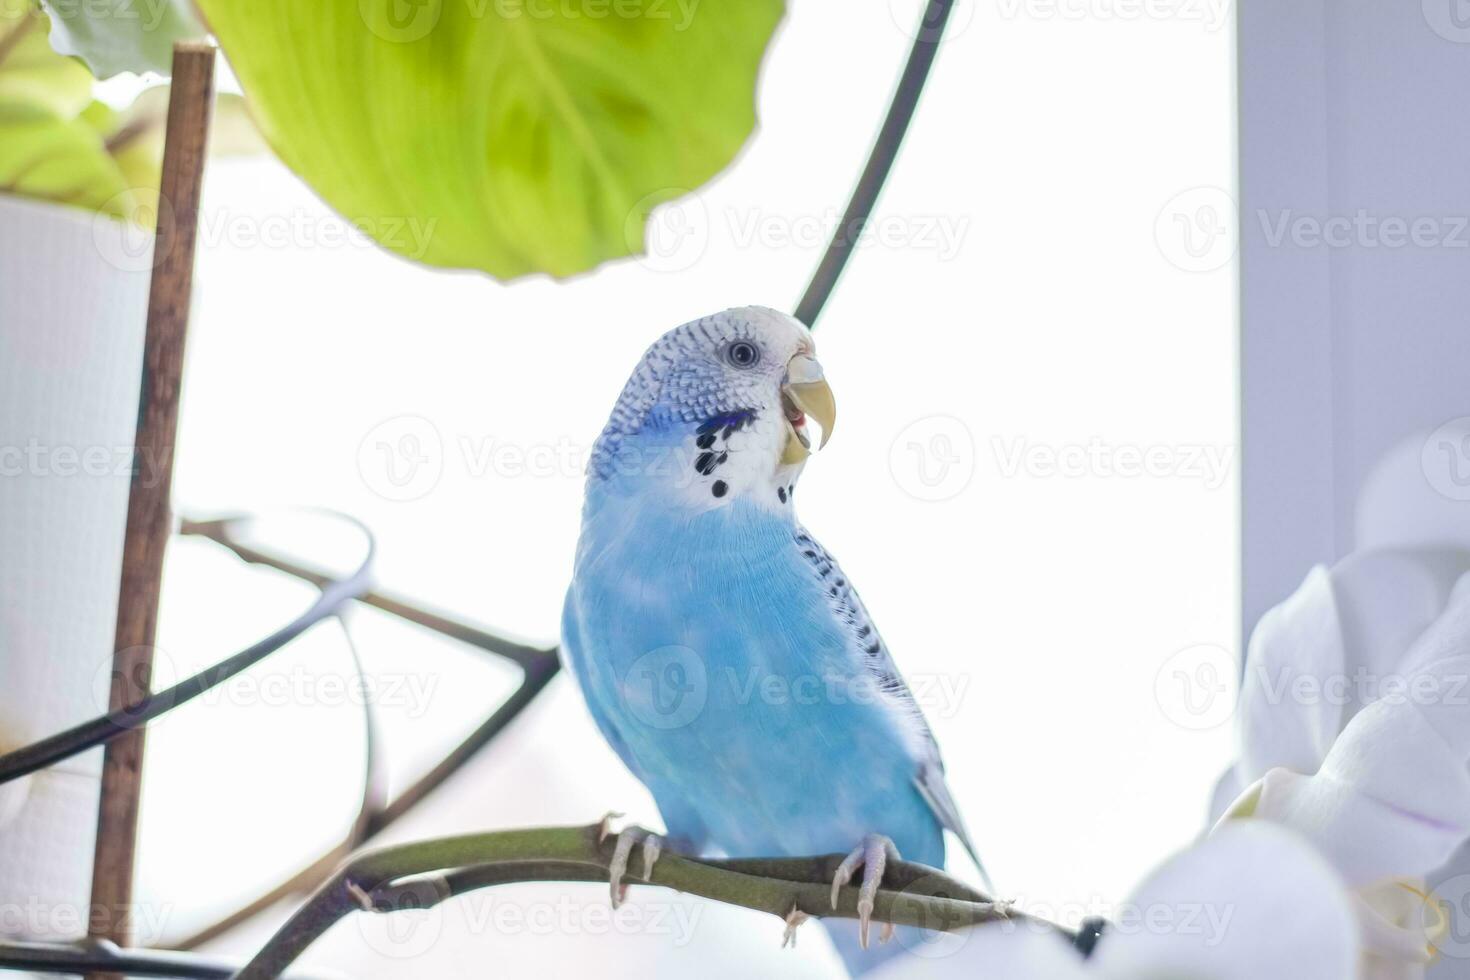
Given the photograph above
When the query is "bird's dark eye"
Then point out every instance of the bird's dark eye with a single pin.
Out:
(742, 354)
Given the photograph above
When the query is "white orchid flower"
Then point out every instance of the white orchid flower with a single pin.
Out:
(1354, 728)
(1251, 902)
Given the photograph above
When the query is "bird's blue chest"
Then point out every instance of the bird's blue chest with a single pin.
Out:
(707, 644)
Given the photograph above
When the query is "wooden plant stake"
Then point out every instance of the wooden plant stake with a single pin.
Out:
(191, 102)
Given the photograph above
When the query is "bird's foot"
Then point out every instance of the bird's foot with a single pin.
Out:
(604, 826)
(873, 855)
(794, 918)
(650, 846)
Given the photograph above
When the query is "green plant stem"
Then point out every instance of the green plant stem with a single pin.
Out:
(423, 874)
(12, 38)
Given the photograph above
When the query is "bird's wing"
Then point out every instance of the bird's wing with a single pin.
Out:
(573, 657)
(849, 609)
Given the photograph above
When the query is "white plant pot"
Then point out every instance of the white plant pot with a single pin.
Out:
(73, 300)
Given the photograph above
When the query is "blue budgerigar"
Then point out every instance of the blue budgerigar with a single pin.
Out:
(722, 651)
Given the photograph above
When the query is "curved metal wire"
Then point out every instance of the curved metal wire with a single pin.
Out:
(98, 731)
(376, 810)
(880, 161)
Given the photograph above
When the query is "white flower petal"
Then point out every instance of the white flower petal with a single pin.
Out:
(1448, 637)
(1299, 638)
(1391, 801)
(1227, 791)
(1386, 600)
(1392, 921)
(1249, 902)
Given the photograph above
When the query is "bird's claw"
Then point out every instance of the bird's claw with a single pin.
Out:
(794, 918)
(604, 826)
(360, 896)
(650, 846)
(873, 855)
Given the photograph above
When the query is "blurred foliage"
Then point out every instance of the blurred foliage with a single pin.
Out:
(59, 143)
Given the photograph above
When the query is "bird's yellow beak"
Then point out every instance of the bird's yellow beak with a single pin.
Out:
(805, 395)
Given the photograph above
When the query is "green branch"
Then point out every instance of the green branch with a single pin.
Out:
(423, 874)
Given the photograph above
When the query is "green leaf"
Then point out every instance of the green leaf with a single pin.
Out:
(30, 71)
(114, 36)
(53, 136)
(512, 136)
(63, 160)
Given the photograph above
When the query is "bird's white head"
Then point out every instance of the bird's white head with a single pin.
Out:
(721, 408)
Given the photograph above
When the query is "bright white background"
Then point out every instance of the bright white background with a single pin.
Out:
(1032, 298)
